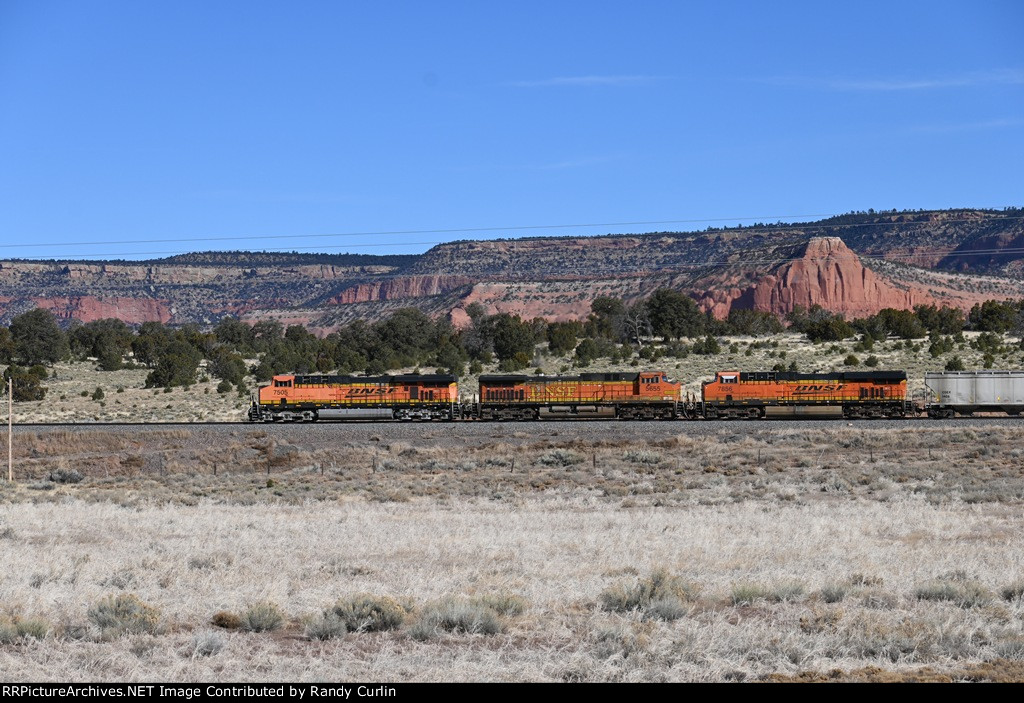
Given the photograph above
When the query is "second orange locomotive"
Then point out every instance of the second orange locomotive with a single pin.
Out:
(646, 395)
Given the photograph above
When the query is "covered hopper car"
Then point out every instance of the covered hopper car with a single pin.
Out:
(646, 395)
(967, 392)
(870, 394)
(308, 398)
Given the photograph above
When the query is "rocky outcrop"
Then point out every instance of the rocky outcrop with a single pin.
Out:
(829, 274)
(90, 308)
(399, 288)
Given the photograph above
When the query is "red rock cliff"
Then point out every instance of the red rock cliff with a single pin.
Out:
(831, 275)
(399, 288)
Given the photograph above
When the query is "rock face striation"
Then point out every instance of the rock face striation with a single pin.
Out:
(853, 264)
(831, 275)
(400, 288)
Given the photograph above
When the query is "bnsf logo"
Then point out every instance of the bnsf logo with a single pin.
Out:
(820, 389)
(358, 392)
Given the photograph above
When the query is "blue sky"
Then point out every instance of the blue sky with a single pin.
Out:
(252, 125)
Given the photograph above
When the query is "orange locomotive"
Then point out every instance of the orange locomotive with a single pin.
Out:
(779, 394)
(645, 395)
(308, 398)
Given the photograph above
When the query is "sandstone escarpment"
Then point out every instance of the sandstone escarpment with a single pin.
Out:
(829, 274)
(398, 288)
(87, 308)
(953, 257)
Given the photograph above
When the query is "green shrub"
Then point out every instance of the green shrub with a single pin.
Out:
(65, 476)
(833, 593)
(561, 457)
(327, 626)
(506, 604)
(955, 588)
(368, 613)
(35, 628)
(124, 613)
(747, 593)
(262, 617)
(98, 394)
(458, 616)
(642, 456)
(13, 630)
(668, 608)
(26, 385)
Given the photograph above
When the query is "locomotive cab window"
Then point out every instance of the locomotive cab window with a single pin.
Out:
(282, 384)
(729, 379)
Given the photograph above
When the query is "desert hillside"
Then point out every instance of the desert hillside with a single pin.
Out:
(855, 264)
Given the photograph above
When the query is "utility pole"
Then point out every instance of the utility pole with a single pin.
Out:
(10, 429)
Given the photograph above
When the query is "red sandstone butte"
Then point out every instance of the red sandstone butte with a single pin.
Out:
(831, 275)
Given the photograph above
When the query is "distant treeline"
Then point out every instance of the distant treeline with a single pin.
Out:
(849, 219)
(410, 338)
(256, 258)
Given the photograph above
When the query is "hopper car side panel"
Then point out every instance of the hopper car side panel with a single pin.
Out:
(964, 393)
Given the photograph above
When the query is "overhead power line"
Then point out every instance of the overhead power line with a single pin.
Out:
(467, 230)
(385, 233)
(513, 274)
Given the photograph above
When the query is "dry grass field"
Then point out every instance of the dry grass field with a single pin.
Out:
(827, 552)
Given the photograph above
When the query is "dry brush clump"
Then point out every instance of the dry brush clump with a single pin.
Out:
(661, 595)
(207, 644)
(456, 615)
(957, 588)
(560, 457)
(749, 593)
(122, 614)
(16, 629)
(504, 603)
(364, 612)
(226, 620)
(262, 617)
(1014, 591)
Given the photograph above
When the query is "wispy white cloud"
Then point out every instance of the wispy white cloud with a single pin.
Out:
(963, 80)
(577, 81)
